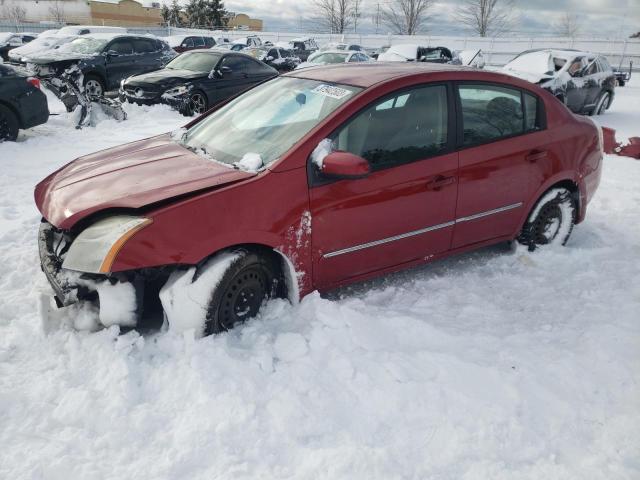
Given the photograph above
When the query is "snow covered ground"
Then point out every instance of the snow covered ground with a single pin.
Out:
(492, 365)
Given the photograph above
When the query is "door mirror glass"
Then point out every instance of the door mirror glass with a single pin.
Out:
(225, 70)
(345, 165)
(112, 53)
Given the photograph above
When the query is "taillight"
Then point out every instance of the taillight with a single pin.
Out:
(34, 81)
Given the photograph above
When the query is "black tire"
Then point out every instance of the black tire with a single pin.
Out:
(247, 282)
(602, 103)
(94, 86)
(551, 221)
(9, 125)
(197, 103)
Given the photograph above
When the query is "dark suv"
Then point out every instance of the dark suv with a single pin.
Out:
(105, 59)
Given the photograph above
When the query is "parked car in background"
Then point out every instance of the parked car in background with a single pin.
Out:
(22, 104)
(9, 41)
(104, 59)
(417, 53)
(313, 180)
(197, 80)
(45, 41)
(583, 81)
(87, 29)
(326, 57)
(246, 42)
(279, 58)
(302, 47)
(343, 46)
(182, 43)
(623, 77)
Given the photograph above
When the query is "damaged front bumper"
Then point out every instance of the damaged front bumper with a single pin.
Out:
(145, 96)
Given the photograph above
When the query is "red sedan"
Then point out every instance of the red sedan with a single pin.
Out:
(313, 180)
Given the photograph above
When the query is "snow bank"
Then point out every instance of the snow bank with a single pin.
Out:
(490, 365)
(117, 304)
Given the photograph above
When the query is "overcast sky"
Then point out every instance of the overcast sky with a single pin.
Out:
(534, 17)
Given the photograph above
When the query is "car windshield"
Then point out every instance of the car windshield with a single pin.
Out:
(196, 62)
(85, 45)
(267, 120)
(330, 58)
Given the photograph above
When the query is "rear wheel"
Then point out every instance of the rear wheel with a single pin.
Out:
(250, 280)
(602, 104)
(551, 220)
(94, 86)
(8, 124)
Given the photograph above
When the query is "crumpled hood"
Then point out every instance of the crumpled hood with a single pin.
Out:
(131, 176)
(528, 76)
(164, 76)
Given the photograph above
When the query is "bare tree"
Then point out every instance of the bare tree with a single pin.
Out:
(56, 10)
(406, 17)
(15, 13)
(486, 17)
(568, 25)
(335, 15)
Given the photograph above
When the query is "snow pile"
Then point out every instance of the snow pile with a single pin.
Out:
(185, 299)
(324, 148)
(489, 365)
(250, 162)
(117, 304)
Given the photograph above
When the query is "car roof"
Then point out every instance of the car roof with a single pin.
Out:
(112, 35)
(366, 74)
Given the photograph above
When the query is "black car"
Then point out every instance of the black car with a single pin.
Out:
(9, 41)
(104, 59)
(583, 81)
(22, 104)
(197, 80)
(281, 59)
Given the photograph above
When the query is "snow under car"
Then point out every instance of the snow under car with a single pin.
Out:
(312, 180)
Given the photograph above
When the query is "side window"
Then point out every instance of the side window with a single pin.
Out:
(592, 69)
(209, 42)
(273, 53)
(399, 129)
(123, 47)
(143, 46)
(353, 58)
(198, 42)
(188, 42)
(489, 113)
(532, 120)
(237, 64)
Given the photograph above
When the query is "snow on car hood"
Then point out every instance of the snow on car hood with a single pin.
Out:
(133, 176)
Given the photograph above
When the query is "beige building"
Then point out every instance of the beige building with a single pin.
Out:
(124, 13)
(243, 22)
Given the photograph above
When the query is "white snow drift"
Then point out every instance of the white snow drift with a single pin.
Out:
(494, 365)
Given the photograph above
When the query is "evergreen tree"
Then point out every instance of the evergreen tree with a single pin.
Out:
(171, 15)
(206, 13)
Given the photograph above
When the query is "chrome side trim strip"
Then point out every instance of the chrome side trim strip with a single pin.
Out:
(375, 243)
(387, 240)
(488, 212)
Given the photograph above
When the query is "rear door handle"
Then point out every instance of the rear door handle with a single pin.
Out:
(439, 182)
(536, 155)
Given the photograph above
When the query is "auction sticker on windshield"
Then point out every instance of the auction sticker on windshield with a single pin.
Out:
(331, 91)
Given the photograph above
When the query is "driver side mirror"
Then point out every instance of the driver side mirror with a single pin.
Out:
(112, 53)
(345, 165)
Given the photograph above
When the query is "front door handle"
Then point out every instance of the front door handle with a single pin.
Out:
(536, 155)
(439, 182)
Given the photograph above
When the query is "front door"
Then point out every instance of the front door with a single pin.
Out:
(505, 153)
(402, 211)
(121, 62)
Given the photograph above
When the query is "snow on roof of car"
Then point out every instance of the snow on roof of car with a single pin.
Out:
(366, 74)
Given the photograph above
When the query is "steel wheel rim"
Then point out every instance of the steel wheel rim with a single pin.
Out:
(93, 88)
(243, 297)
(197, 103)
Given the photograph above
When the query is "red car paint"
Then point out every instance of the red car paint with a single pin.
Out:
(217, 208)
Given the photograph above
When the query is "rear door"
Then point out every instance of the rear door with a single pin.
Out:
(147, 55)
(403, 211)
(122, 63)
(505, 155)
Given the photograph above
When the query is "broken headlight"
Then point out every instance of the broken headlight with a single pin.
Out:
(95, 249)
(177, 91)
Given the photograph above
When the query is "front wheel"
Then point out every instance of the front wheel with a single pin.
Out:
(197, 104)
(551, 221)
(8, 124)
(244, 285)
